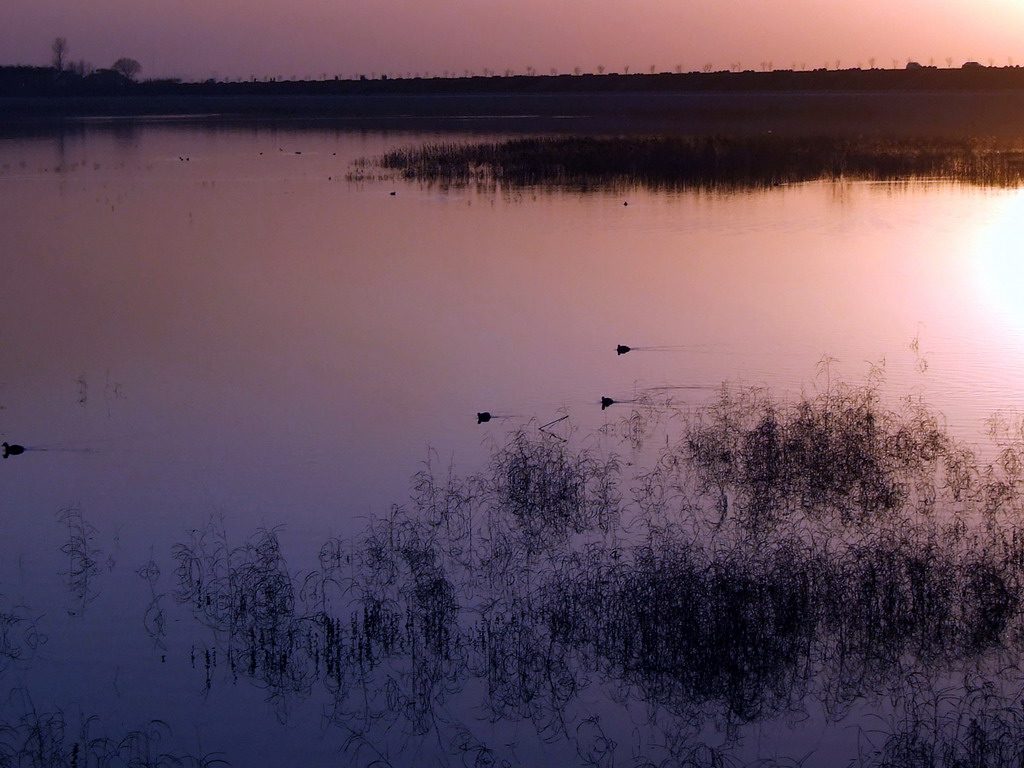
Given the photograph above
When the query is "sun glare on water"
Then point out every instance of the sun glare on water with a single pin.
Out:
(998, 260)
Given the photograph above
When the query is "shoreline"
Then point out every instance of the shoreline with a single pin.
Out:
(997, 114)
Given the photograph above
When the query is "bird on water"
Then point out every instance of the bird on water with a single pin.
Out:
(12, 450)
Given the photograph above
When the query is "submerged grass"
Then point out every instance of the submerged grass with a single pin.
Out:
(704, 162)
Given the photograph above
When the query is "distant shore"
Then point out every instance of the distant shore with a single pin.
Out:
(927, 102)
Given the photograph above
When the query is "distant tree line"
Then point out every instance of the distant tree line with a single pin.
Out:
(126, 67)
(68, 77)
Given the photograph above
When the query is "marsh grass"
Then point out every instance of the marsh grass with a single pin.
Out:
(834, 454)
(777, 556)
(33, 738)
(974, 724)
(702, 162)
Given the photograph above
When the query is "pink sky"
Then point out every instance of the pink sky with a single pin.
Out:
(307, 38)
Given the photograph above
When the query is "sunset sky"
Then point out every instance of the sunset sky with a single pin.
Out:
(196, 39)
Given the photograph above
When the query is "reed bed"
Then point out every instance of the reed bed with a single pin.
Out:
(781, 557)
(702, 162)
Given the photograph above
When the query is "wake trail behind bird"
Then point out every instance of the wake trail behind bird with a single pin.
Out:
(623, 349)
(608, 402)
(483, 417)
(674, 387)
(45, 449)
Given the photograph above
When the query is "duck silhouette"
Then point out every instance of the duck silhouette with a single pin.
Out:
(481, 418)
(12, 450)
(622, 349)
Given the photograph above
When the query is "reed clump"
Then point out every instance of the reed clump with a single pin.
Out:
(705, 162)
(832, 454)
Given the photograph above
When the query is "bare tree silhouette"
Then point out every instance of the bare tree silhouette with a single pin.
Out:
(60, 52)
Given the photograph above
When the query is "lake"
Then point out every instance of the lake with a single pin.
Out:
(228, 358)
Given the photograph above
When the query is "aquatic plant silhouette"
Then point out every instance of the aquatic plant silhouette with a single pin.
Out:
(837, 453)
(704, 162)
(777, 556)
(154, 619)
(31, 738)
(82, 557)
(974, 724)
(19, 636)
(247, 597)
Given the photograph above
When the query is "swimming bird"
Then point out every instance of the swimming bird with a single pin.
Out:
(622, 349)
(481, 418)
(12, 450)
(605, 402)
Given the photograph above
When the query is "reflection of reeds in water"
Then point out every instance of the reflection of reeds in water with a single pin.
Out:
(836, 454)
(973, 725)
(82, 557)
(706, 162)
(30, 738)
(154, 619)
(775, 556)
(19, 636)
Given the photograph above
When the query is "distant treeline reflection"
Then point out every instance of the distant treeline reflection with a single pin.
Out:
(704, 162)
(777, 559)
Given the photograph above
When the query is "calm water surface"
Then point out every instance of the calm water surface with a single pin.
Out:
(217, 324)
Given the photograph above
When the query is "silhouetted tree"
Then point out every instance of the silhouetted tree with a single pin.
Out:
(82, 68)
(60, 51)
(130, 68)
